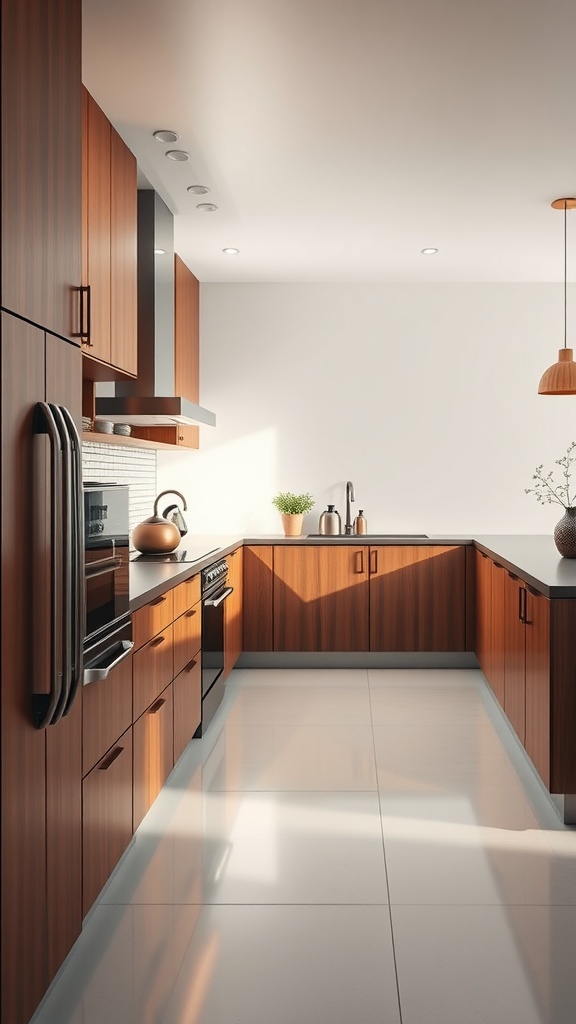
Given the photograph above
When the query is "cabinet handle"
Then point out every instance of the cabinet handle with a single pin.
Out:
(498, 565)
(191, 664)
(190, 613)
(85, 315)
(359, 562)
(109, 761)
(374, 561)
(156, 706)
(159, 640)
(159, 600)
(519, 601)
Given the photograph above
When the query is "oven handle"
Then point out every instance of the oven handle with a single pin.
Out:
(95, 675)
(214, 602)
(103, 566)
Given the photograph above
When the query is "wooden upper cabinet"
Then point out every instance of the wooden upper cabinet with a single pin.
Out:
(186, 345)
(109, 216)
(417, 598)
(41, 162)
(320, 598)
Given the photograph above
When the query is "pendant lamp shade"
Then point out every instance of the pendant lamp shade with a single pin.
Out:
(560, 378)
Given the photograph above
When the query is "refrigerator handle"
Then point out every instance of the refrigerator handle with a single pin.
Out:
(77, 569)
(67, 528)
(45, 705)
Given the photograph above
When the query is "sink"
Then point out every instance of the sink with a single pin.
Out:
(359, 538)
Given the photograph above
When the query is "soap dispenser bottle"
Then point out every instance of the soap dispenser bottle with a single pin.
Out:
(360, 524)
(330, 524)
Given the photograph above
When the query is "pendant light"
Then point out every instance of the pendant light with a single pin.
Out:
(560, 379)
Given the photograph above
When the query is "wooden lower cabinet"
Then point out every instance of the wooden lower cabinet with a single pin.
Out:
(257, 598)
(187, 697)
(320, 598)
(107, 817)
(417, 598)
(153, 737)
(515, 655)
(233, 611)
(153, 669)
(537, 732)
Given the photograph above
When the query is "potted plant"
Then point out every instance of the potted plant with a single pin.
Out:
(292, 508)
(548, 492)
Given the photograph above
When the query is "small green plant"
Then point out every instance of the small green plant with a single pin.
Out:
(293, 504)
(547, 491)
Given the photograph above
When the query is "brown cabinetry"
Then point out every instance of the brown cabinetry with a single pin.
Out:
(109, 216)
(257, 597)
(107, 816)
(153, 737)
(153, 669)
(233, 611)
(187, 689)
(490, 622)
(417, 598)
(41, 162)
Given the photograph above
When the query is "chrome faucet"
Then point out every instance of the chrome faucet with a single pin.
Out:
(349, 497)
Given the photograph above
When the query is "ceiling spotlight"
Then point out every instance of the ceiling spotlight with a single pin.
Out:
(159, 252)
(198, 190)
(206, 207)
(180, 155)
(166, 136)
(428, 252)
(230, 251)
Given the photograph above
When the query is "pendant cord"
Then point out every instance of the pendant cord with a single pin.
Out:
(565, 272)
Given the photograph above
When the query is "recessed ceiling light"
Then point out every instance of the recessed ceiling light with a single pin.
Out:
(180, 155)
(230, 251)
(428, 252)
(159, 252)
(166, 136)
(198, 190)
(206, 207)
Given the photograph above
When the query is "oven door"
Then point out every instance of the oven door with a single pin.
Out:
(213, 636)
(107, 587)
(107, 650)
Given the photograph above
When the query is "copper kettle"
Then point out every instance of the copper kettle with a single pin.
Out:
(157, 535)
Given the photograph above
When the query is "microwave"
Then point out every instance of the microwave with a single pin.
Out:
(106, 558)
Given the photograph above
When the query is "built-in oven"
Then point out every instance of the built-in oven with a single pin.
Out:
(215, 593)
(108, 633)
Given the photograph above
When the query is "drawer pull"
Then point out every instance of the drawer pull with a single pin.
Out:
(359, 563)
(190, 665)
(159, 640)
(159, 600)
(190, 613)
(156, 706)
(374, 561)
(109, 761)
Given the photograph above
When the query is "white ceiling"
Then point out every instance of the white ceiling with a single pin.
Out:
(339, 139)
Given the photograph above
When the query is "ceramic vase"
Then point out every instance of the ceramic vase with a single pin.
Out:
(292, 523)
(565, 534)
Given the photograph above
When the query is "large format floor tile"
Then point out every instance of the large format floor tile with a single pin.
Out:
(288, 705)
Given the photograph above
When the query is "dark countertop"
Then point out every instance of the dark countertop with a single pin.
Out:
(533, 557)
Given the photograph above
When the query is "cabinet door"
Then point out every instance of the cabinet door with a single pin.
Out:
(233, 612)
(497, 631)
(187, 637)
(107, 817)
(187, 693)
(483, 611)
(186, 344)
(257, 598)
(41, 162)
(153, 737)
(97, 219)
(152, 618)
(514, 655)
(417, 598)
(186, 595)
(320, 598)
(152, 669)
(537, 741)
(123, 255)
(106, 713)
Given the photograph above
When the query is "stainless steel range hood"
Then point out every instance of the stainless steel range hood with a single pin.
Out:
(150, 400)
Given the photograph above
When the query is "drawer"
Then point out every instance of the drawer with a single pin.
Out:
(153, 736)
(187, 637)
(153, 668)
(186, 595)
(187, 693)
(106, 713)
(152, 618)
(106, 817)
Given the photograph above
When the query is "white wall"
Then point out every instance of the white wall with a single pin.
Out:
(425, 396)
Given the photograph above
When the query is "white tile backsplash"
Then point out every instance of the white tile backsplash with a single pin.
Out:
(133, 466)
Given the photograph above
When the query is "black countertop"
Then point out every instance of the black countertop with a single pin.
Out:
(533, 557)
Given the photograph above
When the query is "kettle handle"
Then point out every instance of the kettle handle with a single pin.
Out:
(169, 509)
(161, 495)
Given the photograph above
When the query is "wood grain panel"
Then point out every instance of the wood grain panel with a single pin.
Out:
(186, 331)
(483, 606)
(257, 598)
(417, 598)
(497, 626)
(320, 598)
(107, 817)
(107, 713)
(537, 739)
(233, 611)
(41, 162)
(563, 696)
(186, 595)
(514, 658)
(97, 183)
(152, 670)
(187, 637)
(185, 437)
(153, 736)
(187, 693)
(23, 748)
(123, 255)
(152, 618)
